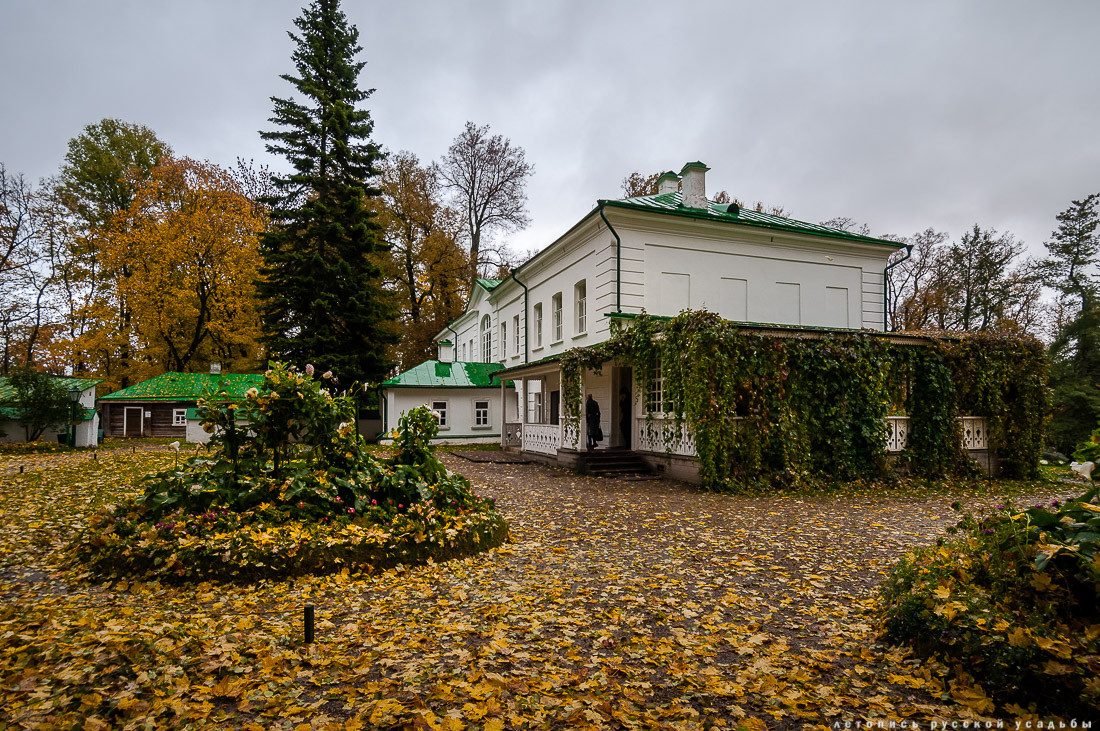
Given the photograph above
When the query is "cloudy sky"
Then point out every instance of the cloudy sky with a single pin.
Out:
(901, 115)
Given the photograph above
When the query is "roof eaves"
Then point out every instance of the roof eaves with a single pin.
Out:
(646, 204)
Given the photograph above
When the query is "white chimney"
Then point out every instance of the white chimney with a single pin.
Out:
(668, 183)
(693, 185)
(446, 351)
(216, 368)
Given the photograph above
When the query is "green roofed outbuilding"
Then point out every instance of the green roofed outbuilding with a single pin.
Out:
(465, 396)
(159, 406)
(87, 421)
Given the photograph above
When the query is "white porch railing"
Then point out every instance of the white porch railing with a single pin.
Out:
(541, 438)
(974, 432)
(897, 433)
(662, 435)
(513, 434)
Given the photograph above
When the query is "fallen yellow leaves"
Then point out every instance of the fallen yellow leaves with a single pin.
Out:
(619, 605)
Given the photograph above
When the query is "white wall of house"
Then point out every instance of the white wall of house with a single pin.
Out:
(749, 275)
(461, 407)
(668, 264)
(87, 432)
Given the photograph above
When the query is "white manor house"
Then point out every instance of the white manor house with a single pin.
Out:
(660, 254)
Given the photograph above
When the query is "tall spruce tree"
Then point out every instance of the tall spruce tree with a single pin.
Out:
(323, 301)
(1075, 353)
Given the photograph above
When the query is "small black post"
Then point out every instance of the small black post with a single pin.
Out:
(95, 455)
(20, 469)
(309, 624)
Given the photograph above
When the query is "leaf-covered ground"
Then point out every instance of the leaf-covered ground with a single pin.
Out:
(618, 605)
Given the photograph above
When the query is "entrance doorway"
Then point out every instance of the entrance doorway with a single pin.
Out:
(132, 425)
(622, 407)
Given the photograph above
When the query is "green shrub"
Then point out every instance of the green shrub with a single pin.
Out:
(294, 491)
(1089, 451)
(1011, 600)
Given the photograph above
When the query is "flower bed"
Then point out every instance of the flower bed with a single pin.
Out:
(296, 492)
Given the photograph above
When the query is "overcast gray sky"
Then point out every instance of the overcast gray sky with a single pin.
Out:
(902, 115)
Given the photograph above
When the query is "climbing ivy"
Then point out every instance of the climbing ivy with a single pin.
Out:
(759, 405)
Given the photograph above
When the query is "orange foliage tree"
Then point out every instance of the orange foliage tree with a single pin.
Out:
(188, 258)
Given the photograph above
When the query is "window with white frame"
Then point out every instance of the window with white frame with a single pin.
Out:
(656, 401)
(481, 413)
(538, 324)
(464, 352)
(515, 335)
(555, 309)
(179, 417)
(580, 291)
(486, 339)
(473, 352)
(503, 339)
(440, 410)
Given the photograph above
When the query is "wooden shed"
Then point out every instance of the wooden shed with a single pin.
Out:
(158, 407)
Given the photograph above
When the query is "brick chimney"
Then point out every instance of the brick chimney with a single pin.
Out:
(693, 184)
(669, 182)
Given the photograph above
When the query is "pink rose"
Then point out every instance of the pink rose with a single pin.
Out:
(309, 369)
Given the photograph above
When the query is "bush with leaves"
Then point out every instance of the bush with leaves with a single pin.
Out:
(297, 468)
(1089, 451)
(1012, 600)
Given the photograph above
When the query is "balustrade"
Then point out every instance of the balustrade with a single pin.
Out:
(513, 434)
(541, 438)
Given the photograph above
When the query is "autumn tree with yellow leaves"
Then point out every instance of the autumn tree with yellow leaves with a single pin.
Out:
(427, 266)
(187, 246)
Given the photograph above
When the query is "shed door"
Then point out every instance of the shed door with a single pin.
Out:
(131, 421)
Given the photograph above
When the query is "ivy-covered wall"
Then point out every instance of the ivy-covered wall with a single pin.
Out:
(818, 404)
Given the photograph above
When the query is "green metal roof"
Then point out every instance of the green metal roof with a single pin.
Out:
(436, 374)
(489, 284)
(7, 393)
(187, 387)
(672, 203)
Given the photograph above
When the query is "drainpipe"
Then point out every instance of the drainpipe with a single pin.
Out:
(618, 261)
(886, 285)
(454, 348)
(512, 274)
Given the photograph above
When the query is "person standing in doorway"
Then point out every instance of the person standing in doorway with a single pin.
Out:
(592, 421)
(624, 416)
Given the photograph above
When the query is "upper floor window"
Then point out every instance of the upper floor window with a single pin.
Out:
(538, 324)
(580, 291)
(555, 309)
(515, 335)
(486, 339)
(503, 339)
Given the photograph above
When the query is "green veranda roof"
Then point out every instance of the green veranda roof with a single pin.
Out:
(489, 284)
(436, 374)
(673, 203)
(187, 387)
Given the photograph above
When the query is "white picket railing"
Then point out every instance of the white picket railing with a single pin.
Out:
(541, 438)
(513, 434)
(661, 435)
(897, 433)
(974, 433)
